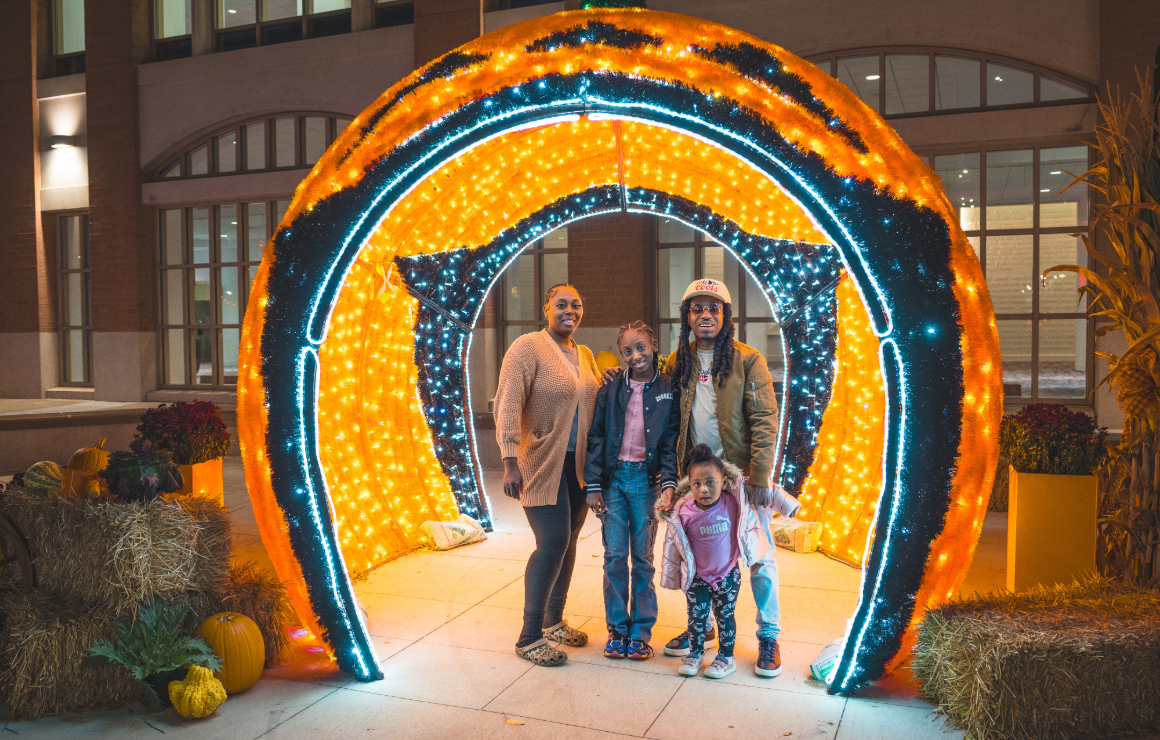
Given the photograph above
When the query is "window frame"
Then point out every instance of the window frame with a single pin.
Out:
(739, 303)
(63, 328)
(536, 250)
(70, 63)
(335, 124)
(1035, 316)
(828, 63)
(306, 23)
(163, 49)
(187, 270)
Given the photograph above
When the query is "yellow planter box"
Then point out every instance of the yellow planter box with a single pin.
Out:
(203, 480)
(1051, 528)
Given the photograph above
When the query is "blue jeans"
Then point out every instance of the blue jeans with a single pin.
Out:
(763, 582)
(629, 529)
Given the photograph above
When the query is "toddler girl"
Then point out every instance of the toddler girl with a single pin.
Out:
(710, 529)
(632, 452)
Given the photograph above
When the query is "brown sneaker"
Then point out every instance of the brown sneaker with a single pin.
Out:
(769, 660)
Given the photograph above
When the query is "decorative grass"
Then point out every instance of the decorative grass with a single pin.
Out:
(259, 595)
(1067, 661)
(113, 555)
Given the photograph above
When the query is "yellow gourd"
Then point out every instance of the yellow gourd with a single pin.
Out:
(199, 695)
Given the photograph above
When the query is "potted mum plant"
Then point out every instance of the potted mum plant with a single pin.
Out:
(1051, 525)
(156, 648)
(195, 434)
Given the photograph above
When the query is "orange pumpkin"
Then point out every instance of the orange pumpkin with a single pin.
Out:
(75, 483)
(91, 460)
(238, 642)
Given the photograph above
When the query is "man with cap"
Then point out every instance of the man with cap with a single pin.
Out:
(727, 403)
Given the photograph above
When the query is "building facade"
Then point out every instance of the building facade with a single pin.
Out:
(152, 147)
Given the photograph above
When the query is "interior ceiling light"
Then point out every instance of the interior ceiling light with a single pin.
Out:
(872, 77)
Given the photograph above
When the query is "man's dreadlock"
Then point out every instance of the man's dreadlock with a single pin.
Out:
(722, 350)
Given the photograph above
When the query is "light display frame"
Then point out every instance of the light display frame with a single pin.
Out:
(918, 285)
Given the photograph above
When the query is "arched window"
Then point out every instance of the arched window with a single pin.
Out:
(282, 142)
(917, 80)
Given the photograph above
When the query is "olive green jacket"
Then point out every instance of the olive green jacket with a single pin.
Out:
(746, 414)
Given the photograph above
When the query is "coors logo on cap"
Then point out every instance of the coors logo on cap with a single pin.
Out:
(710, 287)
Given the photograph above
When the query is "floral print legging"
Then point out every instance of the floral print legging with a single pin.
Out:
(723, 602)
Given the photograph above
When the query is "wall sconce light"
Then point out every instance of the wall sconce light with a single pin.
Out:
(61, 142)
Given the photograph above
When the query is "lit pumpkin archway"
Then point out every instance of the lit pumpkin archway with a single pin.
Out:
(352, 401)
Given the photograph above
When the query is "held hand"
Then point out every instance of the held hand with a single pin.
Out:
(513, 480)
(596, 502)
(665, 500)
(610, 375)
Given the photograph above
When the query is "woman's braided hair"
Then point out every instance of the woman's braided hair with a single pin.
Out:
(552, 291)
(639, 325)
(722, 350)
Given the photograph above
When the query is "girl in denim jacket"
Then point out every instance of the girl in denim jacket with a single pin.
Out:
(632, 454)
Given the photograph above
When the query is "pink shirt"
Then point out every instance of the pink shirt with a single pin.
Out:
(712, 535)
(632, 447)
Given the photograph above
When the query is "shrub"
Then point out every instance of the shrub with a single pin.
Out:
(1048, 438)
(192, 432)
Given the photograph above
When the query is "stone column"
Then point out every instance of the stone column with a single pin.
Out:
(121, 239)
(28, 364)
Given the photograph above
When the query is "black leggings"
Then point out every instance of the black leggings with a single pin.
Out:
(549, 571)
(723, 601)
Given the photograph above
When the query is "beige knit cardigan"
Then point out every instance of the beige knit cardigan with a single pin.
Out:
(538, 393)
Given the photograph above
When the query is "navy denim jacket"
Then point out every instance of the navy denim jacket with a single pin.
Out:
(662, 423)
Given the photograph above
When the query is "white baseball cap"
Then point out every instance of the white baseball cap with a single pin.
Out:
(709, 287)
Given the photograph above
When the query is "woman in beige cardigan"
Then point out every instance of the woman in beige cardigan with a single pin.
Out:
(543, 407)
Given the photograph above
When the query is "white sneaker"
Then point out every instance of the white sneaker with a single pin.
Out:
(721, 667)
(690, 665)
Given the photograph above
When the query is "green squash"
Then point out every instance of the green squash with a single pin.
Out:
(44, 477)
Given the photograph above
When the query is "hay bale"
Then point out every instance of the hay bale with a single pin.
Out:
(259, 595)
(1066, 661)
(43, 639)
(116, 555)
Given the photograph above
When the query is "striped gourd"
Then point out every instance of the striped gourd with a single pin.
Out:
(43, 477)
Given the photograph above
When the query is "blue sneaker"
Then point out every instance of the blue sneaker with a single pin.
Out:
(615, 647)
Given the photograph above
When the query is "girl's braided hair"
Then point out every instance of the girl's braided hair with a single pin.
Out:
(641, 326)
(722, 350)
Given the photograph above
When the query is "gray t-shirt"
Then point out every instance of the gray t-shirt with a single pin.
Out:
(705, 429)
(572, 437)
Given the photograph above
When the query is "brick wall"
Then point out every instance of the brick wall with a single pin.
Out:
(610, 262)
(20, 237)
(117, 34)
(1129, 40)
(442, 25)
